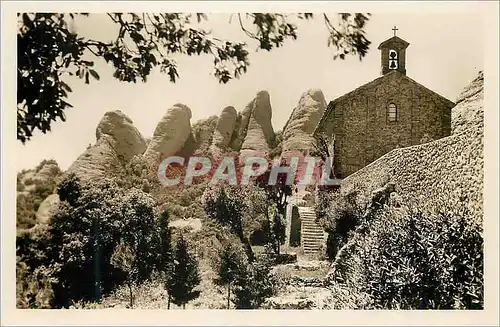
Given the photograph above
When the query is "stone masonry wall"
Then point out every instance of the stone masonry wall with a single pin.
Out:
(449, 169)
(361, 128)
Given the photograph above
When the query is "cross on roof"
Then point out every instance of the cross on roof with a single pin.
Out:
(395, 29)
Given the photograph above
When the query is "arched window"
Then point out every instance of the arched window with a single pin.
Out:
(393, 59)
(392, 112)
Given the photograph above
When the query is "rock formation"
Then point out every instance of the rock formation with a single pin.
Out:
(171, 133)
(240, 129)
(128, 140)
(224, 130)
(48, 170)
(203, 133)
(47, 209)
(297, 134)
(259, 136)
(117, 142)
(468, 112)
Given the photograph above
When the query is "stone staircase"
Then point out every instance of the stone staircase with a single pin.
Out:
(311, 234)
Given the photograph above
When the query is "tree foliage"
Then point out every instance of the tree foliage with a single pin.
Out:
(49, 50)
(33, 190)
(124, 259)
(339, 215)
(93, 219)
(248, 283)
(230, 264)
(415, 257)
(254, 284)
(226, 205)
(185, 276)
(276, 202)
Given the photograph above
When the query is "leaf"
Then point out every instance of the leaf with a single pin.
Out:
(87, 78)
(137, 37)
(94, 74)
(152, 58)
(66, 86)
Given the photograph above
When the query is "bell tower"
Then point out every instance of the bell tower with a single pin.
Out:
(393, 54)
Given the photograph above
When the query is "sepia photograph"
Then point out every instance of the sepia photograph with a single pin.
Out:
(183, 160)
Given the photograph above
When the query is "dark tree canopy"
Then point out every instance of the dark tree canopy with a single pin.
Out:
(185, 276)
(48, 50)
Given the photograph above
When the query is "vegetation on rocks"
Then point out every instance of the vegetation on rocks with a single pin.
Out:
(33, 186)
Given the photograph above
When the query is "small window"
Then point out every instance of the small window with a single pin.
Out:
(392, 112)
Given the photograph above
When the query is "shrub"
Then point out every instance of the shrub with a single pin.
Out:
(416, 258)
(339, 215)
(226, 205)
(92, 220)
(33, 287)
(254, 284)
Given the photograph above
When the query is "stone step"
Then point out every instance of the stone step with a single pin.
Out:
(312, 218)
(313, 251)
(311, 229)
(311, 248)
(312, 236)
(307, 213)
(312, 232)
(311, 245)
(312, 241)
(307, 223)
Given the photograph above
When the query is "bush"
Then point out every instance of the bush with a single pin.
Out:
(33, 287)
(254, 284)
(93, 219)
(416, 258)
(339, 215)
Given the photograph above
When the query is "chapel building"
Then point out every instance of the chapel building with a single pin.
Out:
(392, 111)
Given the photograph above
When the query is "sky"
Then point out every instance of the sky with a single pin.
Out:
(445, 54)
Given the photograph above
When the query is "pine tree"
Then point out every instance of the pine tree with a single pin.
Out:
(185, 276)
(231, 266)
(254, 284)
